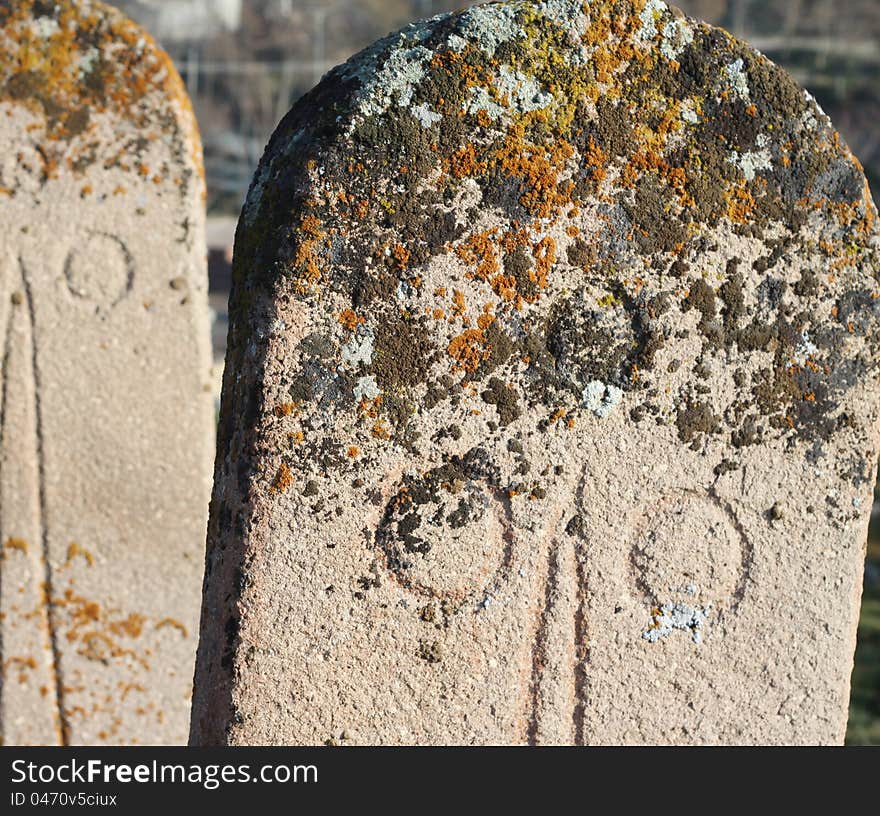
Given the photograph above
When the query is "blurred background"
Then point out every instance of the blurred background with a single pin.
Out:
(246, 61)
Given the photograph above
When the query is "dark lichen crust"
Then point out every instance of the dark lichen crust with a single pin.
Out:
(527, 201)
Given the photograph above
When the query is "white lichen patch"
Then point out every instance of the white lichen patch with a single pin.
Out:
(456, 43)
(808, 119)
(649, 17)
(751, 162)
(88, 61)
(734, 78)
(524, 92)
(425, 116)
(45, 27)
(366, 388)
(568, 14)
(360, 348)
(490, 26)
(601, 399)
(675, 36)
(481, 99)
(363, 66)
(804, 350)
(678, 616)
(689, 111)
(396, 81)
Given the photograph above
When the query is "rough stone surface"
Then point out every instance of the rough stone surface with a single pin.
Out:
(106, 423)
(550, 410)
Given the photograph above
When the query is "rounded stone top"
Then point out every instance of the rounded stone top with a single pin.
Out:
(523, 203)
(96, 89)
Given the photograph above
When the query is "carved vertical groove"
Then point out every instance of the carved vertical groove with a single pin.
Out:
(580, 652)
(51, 616)
(4, 365)
(539, 655)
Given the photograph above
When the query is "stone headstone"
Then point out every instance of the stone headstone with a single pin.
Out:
(106, 423)
(550, 410)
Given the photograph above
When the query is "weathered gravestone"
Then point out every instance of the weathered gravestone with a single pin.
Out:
(550, 411)
(106, 425)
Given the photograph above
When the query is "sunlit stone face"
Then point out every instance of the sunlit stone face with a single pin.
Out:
(540, 310)
(105, 414)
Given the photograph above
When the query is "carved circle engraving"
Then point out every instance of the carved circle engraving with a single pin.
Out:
(445, 534)
(101, 271)
(689, 548)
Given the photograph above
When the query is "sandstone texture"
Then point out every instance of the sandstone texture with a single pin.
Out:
(105, 438)
(550, 408)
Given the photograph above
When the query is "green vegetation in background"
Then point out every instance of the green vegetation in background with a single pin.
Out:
(864, 706)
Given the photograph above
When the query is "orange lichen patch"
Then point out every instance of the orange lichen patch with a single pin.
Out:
(15, 544)
(80, 611)
(649, 158)
(740, 204)
(24, 662)
(97, 646)
(467, 349)
(849, 214)
(515, 238)
(609, 58)
(370, 407)
(174, 624)
(485, 320)
(458, 64)
(127, 688)
(557, 415)
(132, 626)
(307, 255)
(285, 409)
(283, 479)
(545, 256)
(538, 167)
(597, 159)
(400, 254)
(74, 550)
(97, 628)
(479, 251)
(89, 59)
(349, 319)
(464, 163)
(381, 431)
(458, 304)
(505, 287)
(297, 437)
(354, 452)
